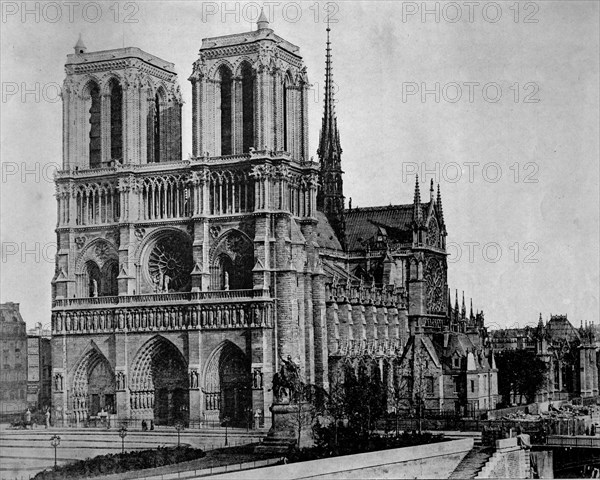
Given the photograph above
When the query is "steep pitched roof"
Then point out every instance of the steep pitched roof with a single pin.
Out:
(362, 224)
(324, 234)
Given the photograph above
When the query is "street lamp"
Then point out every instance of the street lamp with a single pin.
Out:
(179, 426)
(55, 442)
(123, 434)
(225, 424)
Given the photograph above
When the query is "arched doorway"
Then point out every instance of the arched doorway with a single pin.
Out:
(159, 383)
(227, 386)
(93, 386)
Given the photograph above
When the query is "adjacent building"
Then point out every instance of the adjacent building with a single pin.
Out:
(39, 368)
(183, 286)
(570, 355)
(13, 359)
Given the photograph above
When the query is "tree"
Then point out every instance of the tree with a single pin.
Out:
(521, 373)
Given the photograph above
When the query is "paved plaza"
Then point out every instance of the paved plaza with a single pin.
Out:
(23, 453)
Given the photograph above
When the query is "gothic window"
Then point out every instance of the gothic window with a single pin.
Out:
(433, 233)
(435, 284)
(110, 271)
(225, 106)
(286, 95)
(234, 255)
(157, 138)
(154, 139)
(93, 278)
(224, 273)
(116, 121)
(170, 264)
(247, 108)
(95, 129)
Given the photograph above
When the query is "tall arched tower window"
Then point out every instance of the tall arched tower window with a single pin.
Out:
(95, 150)
(226, 130)
(247, 107)
(116, 121)
(286, 99)
(156, 132)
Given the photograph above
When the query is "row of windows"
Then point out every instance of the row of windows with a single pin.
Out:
(12, 395)
(114, 105)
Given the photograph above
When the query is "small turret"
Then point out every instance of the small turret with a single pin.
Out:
(263, 22)
(80, 46)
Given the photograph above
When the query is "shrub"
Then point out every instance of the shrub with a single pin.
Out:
(122, 462)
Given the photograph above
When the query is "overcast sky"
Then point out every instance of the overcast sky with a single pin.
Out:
(508, 126)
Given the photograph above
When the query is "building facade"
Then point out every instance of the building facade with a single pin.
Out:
(183, 286)
(13, 362)
(570, 355)
(39, 368)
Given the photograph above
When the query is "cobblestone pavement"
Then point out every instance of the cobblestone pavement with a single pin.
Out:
(23, 453)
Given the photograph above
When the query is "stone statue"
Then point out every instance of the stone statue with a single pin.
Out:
(94, 288)
(287, 380)
(226, 286)
(166, 282)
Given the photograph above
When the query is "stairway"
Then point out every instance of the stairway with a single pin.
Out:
(472, 464)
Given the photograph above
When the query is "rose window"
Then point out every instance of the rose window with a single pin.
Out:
(170, 264)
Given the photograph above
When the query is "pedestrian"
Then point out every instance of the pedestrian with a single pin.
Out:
(27, 419)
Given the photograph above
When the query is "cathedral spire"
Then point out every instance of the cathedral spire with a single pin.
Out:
(464, 308)
(457, 310)
(417, 213)
(471, 313)
(439, 203)
(330, 196)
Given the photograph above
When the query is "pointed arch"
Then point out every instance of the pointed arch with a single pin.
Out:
(248, 89)
(92, 99)
(225, 110)
(159, 382)
(239, 249)
(227, 383)
(115, 92)
(92, 384)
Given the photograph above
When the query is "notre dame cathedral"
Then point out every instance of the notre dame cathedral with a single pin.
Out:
(182, 285)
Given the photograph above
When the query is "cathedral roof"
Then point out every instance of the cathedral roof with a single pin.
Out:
(363, 224)
(558, 327)
(324, 234)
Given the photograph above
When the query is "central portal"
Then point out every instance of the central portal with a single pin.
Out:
(160, 384)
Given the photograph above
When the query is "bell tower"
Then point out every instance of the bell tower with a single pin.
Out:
(250, 92)
(120, 106)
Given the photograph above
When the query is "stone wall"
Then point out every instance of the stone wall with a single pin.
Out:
(509, 461)
(423, 461)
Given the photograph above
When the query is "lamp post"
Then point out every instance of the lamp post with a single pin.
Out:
(225, 424)
(179, 426)
(123, 434)
(55, 442)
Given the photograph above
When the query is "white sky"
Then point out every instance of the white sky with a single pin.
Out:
(378, 54)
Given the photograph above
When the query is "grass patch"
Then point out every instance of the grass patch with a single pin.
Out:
(122, 462)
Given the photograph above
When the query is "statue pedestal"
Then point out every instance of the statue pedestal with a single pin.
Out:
(288, 419)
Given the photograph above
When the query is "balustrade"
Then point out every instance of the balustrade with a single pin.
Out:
(253, 313)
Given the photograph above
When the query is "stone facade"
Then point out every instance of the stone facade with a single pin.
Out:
(183, 286)
(571, 355)
(39, 368)
(13, 359)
